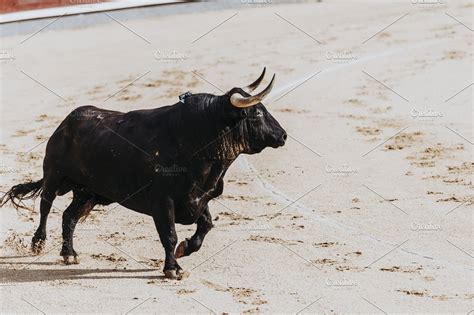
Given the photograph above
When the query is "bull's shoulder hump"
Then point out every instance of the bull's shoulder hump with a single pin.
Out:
(92, 108)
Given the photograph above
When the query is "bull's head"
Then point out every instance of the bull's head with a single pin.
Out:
(257, 126)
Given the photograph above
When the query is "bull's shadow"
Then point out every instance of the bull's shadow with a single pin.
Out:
(34, 275)
(26, 273)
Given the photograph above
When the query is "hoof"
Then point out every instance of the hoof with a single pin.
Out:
(180, 249)
(70, 260)
(37, 246)
(176, 274)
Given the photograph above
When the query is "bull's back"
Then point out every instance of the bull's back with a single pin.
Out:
(94, 148)
(75, 129)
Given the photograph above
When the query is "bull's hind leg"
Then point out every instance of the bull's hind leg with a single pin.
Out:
(189, 246)
(47, 197)
(81, 205)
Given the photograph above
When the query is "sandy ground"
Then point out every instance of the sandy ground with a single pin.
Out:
(368, 208)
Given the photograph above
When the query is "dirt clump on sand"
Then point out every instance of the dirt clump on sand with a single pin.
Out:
(18, 243)
(112, 257)
(404, 140)
(271, 239)
(405, 269)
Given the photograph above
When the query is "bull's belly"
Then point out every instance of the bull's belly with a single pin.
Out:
(131, 193)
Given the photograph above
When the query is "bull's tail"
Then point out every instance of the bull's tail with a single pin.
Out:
(20, 192)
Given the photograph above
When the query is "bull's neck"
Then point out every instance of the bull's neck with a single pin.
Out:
(220, 145)
(211, 139)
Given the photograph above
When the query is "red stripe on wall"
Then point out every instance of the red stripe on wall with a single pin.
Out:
(7, 6)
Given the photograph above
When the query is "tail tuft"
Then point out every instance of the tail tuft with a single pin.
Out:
(20, 192)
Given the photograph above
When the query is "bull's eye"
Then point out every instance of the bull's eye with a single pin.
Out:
(243, 113)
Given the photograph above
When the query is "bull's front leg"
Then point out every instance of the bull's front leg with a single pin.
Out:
(165, 225)
(191, 245)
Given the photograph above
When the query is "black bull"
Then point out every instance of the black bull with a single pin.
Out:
(166, 162)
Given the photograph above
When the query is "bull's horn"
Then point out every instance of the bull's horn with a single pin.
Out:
(252, 86)
(246, 101)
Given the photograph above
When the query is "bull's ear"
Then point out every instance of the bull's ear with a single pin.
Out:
(233, 113)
